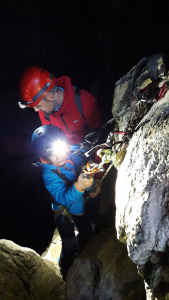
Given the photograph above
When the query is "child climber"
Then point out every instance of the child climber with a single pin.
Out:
(65, 182)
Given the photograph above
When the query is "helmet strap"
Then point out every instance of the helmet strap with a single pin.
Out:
(56, 108)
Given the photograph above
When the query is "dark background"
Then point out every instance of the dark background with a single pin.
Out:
(93, 42)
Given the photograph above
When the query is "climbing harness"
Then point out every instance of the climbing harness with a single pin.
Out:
(107, 155)
(61, 210)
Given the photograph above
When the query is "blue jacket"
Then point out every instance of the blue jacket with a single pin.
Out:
(65, 194)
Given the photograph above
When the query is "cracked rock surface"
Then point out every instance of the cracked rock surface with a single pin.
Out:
(142, 197)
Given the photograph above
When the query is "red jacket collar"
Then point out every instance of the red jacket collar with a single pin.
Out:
(69, 92)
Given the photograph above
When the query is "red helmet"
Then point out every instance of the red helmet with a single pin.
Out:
(34, 84)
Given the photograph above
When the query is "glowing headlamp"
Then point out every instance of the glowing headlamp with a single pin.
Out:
(21, 105)
(59, 147)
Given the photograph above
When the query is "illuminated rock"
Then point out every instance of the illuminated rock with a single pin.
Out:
(25, 275)
(142, 195)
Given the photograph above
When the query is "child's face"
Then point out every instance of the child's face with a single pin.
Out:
(58, 159)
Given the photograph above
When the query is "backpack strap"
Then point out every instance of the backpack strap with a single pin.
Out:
(79, 105)
(62, 176)
(78, 102)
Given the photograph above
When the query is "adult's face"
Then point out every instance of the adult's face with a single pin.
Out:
(44, 105)
(47, 104)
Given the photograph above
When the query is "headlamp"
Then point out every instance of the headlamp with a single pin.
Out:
(59, 147)
(22, 105)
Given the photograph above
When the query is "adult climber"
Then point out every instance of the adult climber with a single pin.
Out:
(58, 102)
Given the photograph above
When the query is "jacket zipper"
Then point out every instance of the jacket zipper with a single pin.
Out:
(64, 122)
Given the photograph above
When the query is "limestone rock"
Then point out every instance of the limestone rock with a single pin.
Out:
(25, 275)
(148, 69)
(142, 203)
(142, 197)
(104, 271)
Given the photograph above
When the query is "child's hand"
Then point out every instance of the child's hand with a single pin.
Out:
(96, 190)
(84, 183)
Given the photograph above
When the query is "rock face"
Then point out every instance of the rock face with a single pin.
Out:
(25, 275)
(142, 195)
(104, 271)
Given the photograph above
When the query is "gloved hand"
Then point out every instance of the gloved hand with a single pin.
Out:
(84, 183)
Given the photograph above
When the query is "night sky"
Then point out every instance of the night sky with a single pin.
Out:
(94, 43)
